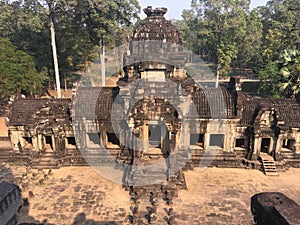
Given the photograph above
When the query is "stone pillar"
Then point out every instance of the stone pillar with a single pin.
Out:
(297, 143)
(184, 136)
(40, 142)
(14, 138)
(35, 144)
(145, 136)
(278, 147)
(297, 147)
(257, 146)
(54, 144)
(206, 140)
(272, 142)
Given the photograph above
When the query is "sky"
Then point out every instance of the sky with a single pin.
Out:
(175, 7)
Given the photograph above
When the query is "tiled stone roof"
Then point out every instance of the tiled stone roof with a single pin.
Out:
(85, 102)
(214, 103)
(34, 112)
(288, 110)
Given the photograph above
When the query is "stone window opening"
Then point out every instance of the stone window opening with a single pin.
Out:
(216, 140)
(197, 139)
(94, 138)
(265, 145)
(112, 140)
(48, 141)
(240, 143)
(289, 144)
(27, 141)
(71, 143)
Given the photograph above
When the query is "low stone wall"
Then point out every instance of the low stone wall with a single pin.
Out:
(10, 196)
(274, 208)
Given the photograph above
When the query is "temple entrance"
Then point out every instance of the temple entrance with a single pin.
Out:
(154, 135)
(265, 145)
(48, 142)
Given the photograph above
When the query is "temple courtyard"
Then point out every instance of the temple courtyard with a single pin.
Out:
(79, 195)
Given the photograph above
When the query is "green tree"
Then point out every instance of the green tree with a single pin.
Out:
(281, 27)
(221, 27)
(103, 21)
(289, 73)
(17, 71)
(282, 77)
(249, 45)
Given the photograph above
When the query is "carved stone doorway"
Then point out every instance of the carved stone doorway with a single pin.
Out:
(265, 145)
(154, 135)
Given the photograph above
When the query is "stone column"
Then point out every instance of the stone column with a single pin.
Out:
(145, 136)
(14, 138)
(40, 142)
(206, 140)
(184, 136)
(278, 148)
(297, 143)
(35, 144)
(257, 146)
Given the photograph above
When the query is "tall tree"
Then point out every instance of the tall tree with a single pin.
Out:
(103, 20)
(221, 28)
(17, 71)
(289, 73)
(281, 78)
(281, 27)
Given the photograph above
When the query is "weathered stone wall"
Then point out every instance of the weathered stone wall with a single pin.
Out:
(10, 197)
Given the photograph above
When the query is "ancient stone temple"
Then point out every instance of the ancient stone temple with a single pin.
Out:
(157, 121)
(157, 111)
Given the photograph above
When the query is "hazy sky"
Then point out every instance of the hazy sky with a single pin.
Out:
(175, 7)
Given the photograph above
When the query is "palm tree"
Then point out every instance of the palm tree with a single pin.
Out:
(289, 73)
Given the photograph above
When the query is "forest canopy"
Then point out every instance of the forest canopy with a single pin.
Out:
(227, 34)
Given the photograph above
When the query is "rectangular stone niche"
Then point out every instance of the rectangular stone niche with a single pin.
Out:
(216, 140)
(197, 139)
(71, 143)
(240, 142)
(289, 144)
(113, 140)
(94, 138)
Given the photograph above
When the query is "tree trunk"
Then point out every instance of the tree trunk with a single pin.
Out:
(217, 76)
(55, 61)
(102, 60)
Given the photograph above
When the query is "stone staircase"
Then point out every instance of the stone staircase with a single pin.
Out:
(153, 202)
(46, 160)
(216, 158)
(268, 164)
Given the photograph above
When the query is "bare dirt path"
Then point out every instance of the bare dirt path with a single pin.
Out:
(213, 196)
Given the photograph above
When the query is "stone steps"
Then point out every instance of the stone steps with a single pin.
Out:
(268, 165)
(153, 203)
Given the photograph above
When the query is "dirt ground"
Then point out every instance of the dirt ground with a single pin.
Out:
(3, 128)
(79, 195)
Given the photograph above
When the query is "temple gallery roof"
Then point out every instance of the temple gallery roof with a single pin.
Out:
(36, 112)
(96, 103)
(287, 110)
